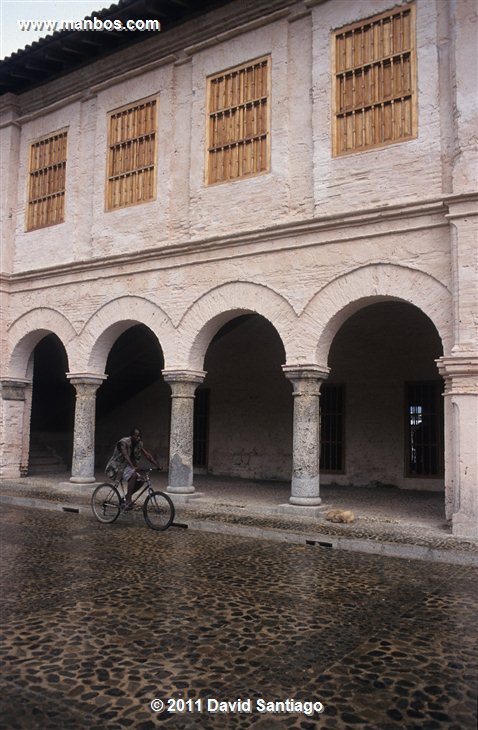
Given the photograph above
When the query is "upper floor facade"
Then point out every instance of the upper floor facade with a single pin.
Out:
(254, 116)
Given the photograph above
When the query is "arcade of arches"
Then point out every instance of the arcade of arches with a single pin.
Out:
(374, 414)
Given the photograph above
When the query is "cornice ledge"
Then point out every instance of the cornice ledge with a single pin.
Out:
(277, 231)
(463, 205)
(131, 73)
(9, 103)
(77, 96)
(238, 30)
(312, 3)
(10, 123)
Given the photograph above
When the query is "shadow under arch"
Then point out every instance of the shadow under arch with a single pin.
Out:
(224, 303)
(112, 320)
(339, 300)
(134, 394)
(52, 409)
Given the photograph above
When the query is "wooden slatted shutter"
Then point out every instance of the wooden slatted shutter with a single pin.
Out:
(131, 165)
(46, 185)
(238, 122)
(374, 76)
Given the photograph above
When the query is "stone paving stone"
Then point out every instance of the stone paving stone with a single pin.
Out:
(100, 619)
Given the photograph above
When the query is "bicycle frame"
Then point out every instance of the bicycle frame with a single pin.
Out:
(122, 488)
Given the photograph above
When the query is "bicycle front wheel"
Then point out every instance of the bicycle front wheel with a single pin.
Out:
(105, 503)
(158, 511)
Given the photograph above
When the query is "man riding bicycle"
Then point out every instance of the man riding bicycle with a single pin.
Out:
(124, 463)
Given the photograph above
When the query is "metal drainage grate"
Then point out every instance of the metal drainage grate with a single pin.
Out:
(319, 543)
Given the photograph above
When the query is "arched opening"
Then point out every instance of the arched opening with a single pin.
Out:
(133, 395)
(243, 410)
(381, 407)
(52, 411)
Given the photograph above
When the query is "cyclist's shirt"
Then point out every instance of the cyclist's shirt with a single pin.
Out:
(117, 463)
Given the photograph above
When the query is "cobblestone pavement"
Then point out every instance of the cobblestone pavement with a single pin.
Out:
(98, 620)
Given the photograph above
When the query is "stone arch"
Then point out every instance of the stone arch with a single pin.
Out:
(108, 323)
(221, 304)
(337, 301)
(27, 331)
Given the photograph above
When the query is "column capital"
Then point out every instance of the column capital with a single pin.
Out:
(92, 379)
(184, 376)
(14, 388)
(460, 374)
(306, 378)
(309, 371)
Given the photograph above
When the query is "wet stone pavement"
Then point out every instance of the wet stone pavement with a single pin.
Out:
(99, 620)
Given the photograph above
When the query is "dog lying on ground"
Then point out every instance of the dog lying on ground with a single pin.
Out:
(340, 515)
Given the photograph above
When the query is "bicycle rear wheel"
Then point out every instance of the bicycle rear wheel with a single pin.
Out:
(158, 511)
(105, 503)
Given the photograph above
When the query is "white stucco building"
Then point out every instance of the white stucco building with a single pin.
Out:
(261, 203)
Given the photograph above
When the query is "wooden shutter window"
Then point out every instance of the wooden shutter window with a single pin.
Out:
(132, 155)
(238, 122)
(375, 90)
(46, 185)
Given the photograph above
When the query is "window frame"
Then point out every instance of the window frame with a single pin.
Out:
(59, 193)
(413, 95)
(129, 173)
(237, 68)
(438, 415)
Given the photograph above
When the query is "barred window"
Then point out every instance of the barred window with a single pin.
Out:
(374, 77)
(424, 414)
(238, 122)
(132, 155)
(46, 184)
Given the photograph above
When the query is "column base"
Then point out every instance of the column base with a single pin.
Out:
(82, 480)
(305, 501)
(465, 526)
(305, 491)
(180, 490)
(310, 510)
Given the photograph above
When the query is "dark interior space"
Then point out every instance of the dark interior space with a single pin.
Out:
(134, 363)
(53, 404)
(53, 396)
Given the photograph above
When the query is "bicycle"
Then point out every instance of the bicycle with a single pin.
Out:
(109, 500)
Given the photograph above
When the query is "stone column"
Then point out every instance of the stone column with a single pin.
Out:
(14, 419)
(463, 218)
(183, 384)
(83, 462)
(306, 380)
(461, 438)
